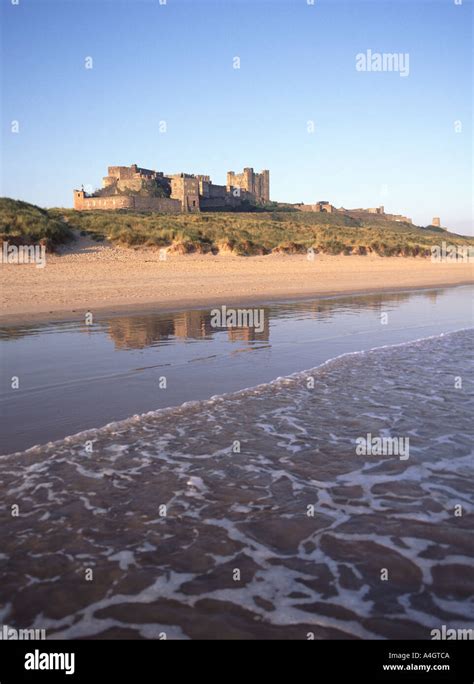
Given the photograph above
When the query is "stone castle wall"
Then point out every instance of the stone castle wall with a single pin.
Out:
(131, 202)
(165, 205)
(318, 207)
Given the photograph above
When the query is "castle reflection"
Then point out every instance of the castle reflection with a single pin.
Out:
(141, 331)
(138, 332)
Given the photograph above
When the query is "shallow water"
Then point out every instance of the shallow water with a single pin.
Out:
(73, 377)
(274, 526)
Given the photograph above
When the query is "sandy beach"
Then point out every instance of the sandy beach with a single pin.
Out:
(106, 279)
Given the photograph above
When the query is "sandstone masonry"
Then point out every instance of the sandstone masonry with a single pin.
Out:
(139, 189)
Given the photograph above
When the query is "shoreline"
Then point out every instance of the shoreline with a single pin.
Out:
(165, 411)
(139, 348)
(66, 316)
(113, 282)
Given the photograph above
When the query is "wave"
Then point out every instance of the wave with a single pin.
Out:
(110, 428)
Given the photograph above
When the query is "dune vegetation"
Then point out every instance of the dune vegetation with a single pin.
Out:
(240, 233)
(24, 223)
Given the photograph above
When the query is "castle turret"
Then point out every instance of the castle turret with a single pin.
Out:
(79, 196)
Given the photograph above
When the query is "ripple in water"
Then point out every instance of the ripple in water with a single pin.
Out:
(248, 512)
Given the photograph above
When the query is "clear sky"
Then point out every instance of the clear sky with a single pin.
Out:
(379, 137)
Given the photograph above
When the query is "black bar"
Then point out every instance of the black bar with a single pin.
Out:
(152, 661)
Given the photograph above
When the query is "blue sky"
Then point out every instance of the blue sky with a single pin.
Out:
(379, 138)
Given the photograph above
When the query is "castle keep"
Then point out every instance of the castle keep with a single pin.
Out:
(132, 187)
(257, 184)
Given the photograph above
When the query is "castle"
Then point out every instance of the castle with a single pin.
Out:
(132, 187)
(138, 189)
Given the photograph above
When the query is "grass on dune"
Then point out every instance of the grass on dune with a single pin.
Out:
(249, 234)
(21, 222)
(246, 233)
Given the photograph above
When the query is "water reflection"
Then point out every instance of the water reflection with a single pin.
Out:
(137, 331)
(74, 376)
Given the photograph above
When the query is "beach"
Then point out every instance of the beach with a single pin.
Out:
(285, 537)
(126, 459)
(108, 279)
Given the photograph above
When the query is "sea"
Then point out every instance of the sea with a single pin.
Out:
(165, 479)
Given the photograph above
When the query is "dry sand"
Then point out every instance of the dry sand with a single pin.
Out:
(106, 279)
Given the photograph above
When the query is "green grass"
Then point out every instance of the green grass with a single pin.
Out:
(246, 233)
(23, 223)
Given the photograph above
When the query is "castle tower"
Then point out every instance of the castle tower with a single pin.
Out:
(265, 188)
(257, 184)
(436, 221)
(230, 180)
(185, 188)
(249, 180)
(79, 196)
